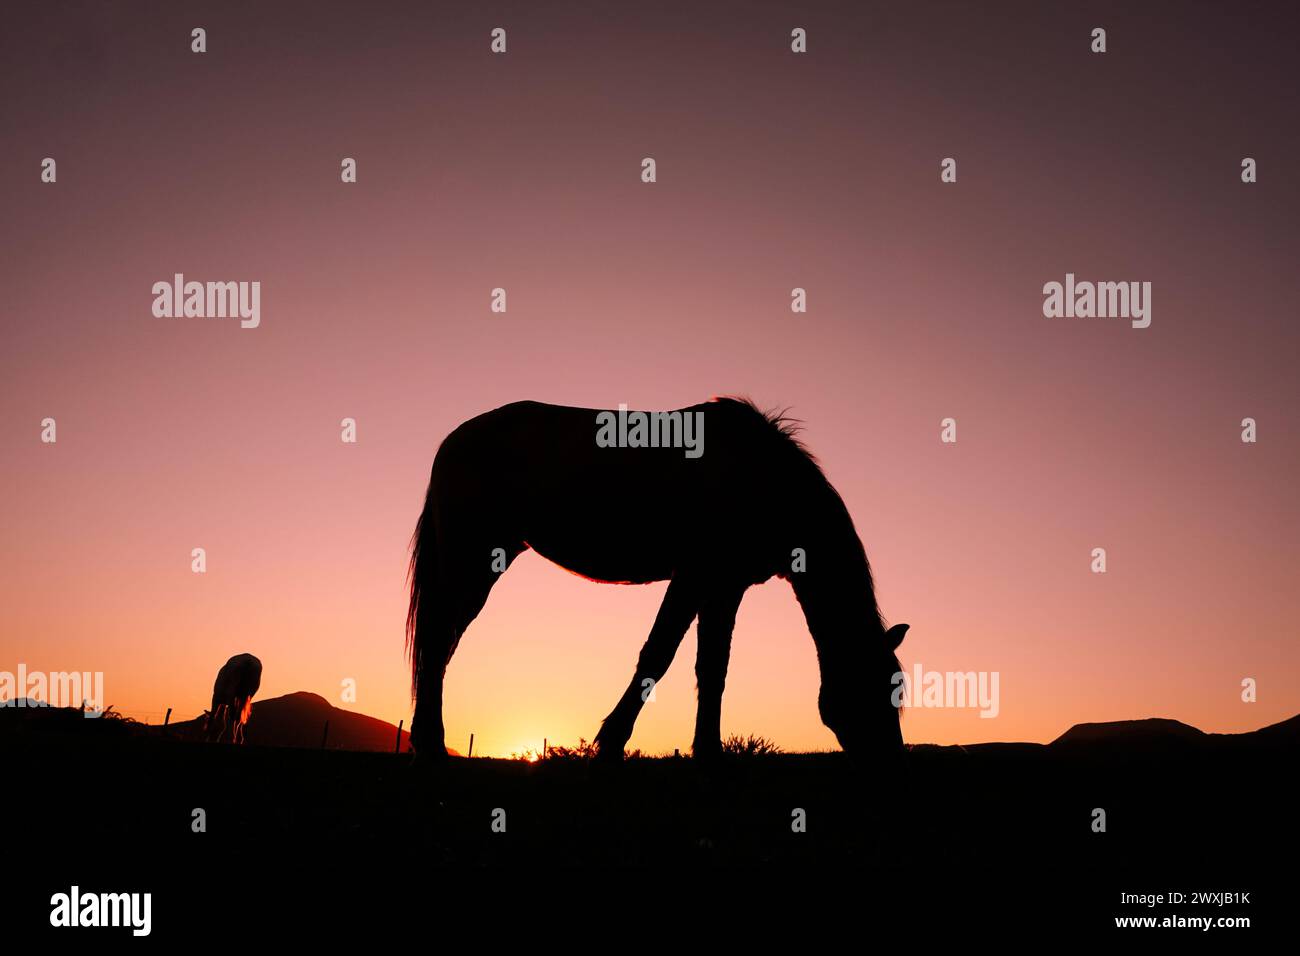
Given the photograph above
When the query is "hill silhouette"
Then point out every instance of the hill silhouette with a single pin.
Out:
(1147, 731)
(298, 720)
(1283, 731)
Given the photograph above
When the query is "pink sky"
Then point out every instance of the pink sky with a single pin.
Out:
(522, 172)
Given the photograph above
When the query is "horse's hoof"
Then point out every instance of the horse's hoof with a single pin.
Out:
(608, 755)
(707, 754)
(429, 757)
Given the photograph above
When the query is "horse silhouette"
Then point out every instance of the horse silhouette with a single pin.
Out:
(232, 698)
(752, 504)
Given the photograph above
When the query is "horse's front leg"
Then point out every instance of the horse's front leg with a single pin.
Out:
(674, 617)
(717, 621)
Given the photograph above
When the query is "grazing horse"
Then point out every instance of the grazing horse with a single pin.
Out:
(232, 698)
(712, 518)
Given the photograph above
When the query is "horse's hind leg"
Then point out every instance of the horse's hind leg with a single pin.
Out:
(241, 718)
(674, 617)
(717, 621)
(217, 724)
(465, 577)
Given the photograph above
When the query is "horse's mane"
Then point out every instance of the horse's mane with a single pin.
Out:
(779, 420)
(789, 429)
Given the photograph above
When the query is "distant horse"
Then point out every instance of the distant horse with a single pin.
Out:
(232, 698)
(749, 504)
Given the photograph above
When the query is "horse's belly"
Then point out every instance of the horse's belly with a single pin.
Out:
(605, 560)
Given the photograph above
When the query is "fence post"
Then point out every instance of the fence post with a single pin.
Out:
(471, 746)
(324, 735)
(543, 748)
(397, 747)
(167, 719)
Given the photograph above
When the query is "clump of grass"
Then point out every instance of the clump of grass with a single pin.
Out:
(750, 746)
(584, 751)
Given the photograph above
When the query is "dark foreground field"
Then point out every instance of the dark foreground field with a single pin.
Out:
(1001, 831)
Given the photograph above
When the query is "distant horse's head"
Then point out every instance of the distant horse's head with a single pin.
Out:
(857, 695)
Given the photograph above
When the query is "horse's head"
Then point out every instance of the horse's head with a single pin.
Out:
(857, 700)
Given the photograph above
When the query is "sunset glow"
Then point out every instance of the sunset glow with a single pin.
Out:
(924, 302)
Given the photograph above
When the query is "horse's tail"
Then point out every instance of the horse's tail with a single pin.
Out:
(420, 574)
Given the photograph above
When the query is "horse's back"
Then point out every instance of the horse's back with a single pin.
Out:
(241, 676)
(610, 512)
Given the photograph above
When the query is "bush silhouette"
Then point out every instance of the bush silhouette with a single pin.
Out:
(750, 746)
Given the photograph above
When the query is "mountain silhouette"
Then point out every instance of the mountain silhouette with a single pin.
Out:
(1285, 730)
(298, 720)
(1148, 731)
(1157, 736)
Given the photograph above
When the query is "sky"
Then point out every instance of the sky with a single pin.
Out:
(774, 170)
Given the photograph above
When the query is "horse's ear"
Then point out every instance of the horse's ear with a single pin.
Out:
(894, 636)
